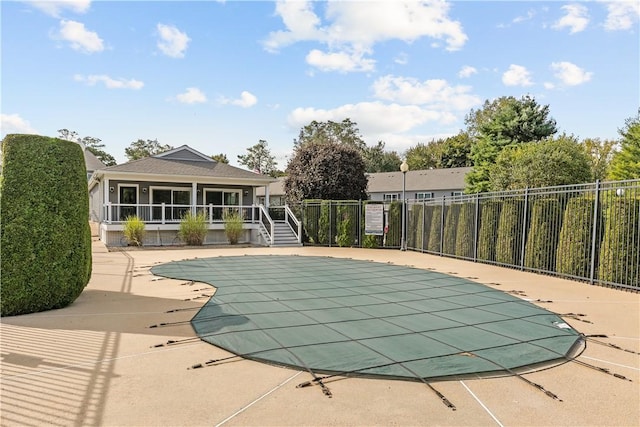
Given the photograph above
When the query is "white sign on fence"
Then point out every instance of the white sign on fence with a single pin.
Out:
(373, 219)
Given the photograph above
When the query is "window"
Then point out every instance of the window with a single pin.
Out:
(456, 193)
(424, 196)
(178, 201)
(391, 197)
(128, 200)
(220, 199)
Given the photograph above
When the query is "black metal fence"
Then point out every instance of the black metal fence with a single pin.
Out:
(588, 232)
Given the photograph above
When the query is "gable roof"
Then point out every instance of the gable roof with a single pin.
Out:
(91, 162)
(183, 163)
(390, 182)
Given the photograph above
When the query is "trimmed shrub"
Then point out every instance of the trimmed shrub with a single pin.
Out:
(347, 229)
(620, 251)
(416, 227)
(434, 229)
(311, 216)
(488, 232)
(44, 224)
(465, 230)
(573, 256)
(233, 226)
(542, 240)
(394, 235)
(193, 228)
(324, 223)
(509, 243)
(450, 228)
(133, 230)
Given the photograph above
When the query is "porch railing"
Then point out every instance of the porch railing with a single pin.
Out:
(284, 214)
(164, 213)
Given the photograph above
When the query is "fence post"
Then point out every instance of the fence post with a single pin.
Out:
(442, 226)
(594, 234)
(424, 208)
(475, 230)
(330, 224)
(360, 223)
(525, 215)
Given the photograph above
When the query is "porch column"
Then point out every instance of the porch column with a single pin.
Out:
(104, 214)
(194, 196)
(266, 196)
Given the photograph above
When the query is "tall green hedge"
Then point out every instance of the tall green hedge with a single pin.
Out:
(542, 240)
(465, 230)
(450, 228)
(324, 223)
(419, 222)
(509, 242)
(488, 232)
(394, 235)
(435, 237)
(347, 227)
(573, 256)
(44, 224)
(620, 249)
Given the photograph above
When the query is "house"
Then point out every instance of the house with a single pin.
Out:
(387, 186)
(160, 189)
(91, 162)
(419, 184)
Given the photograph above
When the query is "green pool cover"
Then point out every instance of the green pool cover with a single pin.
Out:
(351, 317)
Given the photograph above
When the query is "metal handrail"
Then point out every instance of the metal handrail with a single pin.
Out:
(264, 215)
(289, 215)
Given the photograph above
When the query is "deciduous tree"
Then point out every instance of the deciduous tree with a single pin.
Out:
(377, 159)
(94, 145)
(600, 153)
(220, 158)
(323, 170)
(556, 161)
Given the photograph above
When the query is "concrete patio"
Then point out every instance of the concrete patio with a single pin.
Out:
(95, 362)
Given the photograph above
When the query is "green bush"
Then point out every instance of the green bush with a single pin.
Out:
(509, 243)
(620, 251)
(193, 228)
(465, 230)
(573, 256)
(487, 234)
(450, 228)
(435, 229)
(416, 226)
(324, 223)
(542, 240)
(233, 226)
(44, 224)
(347, 228)
(394, 235)
(133, 230)
(310, 219)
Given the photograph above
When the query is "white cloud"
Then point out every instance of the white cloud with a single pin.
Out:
(517, 75)
(576, 18)
(339, 61)
(467, 71)
(56, 7)
(402, 58)
(13, 123)
(549, 85)
(570, 74)
(372, 117)
(353, 28)
(621, 14)
(79, 37)
(173, 42)
(246, 100)
(108, 82)
(530, 14)
(193, 95)
(436, 93)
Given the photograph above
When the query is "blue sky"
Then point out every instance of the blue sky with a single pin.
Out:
(219, 76)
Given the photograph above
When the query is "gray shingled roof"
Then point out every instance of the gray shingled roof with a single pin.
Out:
(91, 162)
(386, 182)
(159, 166)
(430, 179)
